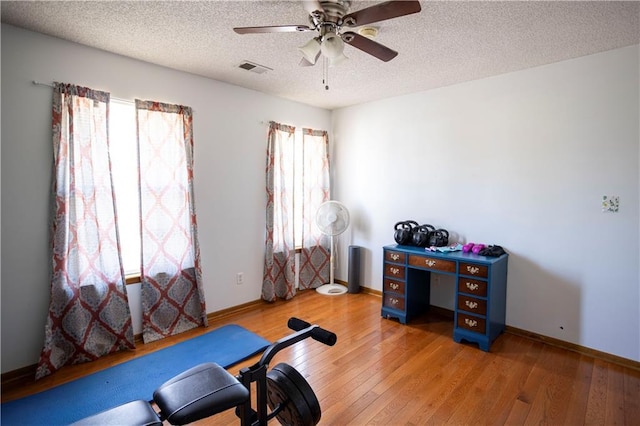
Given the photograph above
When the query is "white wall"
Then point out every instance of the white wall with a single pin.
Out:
(230, 147)
(521, 160)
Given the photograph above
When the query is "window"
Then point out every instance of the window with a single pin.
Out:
(297, 177)
(298, 190)
(101, 154)
(124, 163)
(308, 159)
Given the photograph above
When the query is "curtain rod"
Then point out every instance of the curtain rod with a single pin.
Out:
(39, 83)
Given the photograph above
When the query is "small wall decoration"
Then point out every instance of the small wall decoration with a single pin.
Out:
(610, 203)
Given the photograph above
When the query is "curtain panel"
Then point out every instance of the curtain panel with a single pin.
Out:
(314, 255)
(172, 292)
(279, 263)
(88, 312)
(285, 168)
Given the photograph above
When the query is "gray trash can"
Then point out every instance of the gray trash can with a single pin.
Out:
(354, 270)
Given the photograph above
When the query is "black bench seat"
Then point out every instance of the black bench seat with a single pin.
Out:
(195, 394)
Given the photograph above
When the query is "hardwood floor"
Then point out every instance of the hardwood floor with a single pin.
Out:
(381, 372)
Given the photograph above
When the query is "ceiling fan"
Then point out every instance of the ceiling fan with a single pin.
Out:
(329, 19)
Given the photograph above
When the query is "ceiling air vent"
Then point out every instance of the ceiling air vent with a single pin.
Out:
(253, 67)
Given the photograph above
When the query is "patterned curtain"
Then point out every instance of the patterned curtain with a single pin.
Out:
(312, 168)
(279, 272)
(88, 313)
(172, 292)
(315, 255)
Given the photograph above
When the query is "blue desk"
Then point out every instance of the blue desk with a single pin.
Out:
(480, 296)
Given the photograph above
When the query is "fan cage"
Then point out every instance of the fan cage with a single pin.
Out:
(332, 218)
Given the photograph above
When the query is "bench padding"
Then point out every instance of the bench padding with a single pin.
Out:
(199, 392)
(132, 413)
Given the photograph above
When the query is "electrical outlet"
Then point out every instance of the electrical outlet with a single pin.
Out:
(240, 278)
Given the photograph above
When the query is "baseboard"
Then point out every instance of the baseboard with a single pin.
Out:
(234, 310)
(614, 359)
(365, 290)
(26, 374)
(20, 377)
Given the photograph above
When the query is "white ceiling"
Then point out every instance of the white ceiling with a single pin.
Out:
(446, 43)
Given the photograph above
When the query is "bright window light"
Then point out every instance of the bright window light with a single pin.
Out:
(124, 163)
(298, 190)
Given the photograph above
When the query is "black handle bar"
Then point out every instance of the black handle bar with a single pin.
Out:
(303, 330)
(317, 333)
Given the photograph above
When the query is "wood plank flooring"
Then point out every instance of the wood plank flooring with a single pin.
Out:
(384, 373)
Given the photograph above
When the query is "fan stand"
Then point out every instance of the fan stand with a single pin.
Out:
(331, 289)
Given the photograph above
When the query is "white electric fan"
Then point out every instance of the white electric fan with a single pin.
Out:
(332, 218)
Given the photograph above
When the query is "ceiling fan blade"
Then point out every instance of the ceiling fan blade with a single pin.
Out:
(381, 12)
(369, 46)
(272, 29)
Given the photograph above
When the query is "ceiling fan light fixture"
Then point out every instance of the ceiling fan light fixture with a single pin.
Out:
(311, 50)
(334, 62)
(332, 46)
(304, 63)
(328, 17)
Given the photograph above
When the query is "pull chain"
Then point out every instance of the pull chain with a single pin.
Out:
(325, 73)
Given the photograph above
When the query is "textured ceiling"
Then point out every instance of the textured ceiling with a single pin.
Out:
(447, 42)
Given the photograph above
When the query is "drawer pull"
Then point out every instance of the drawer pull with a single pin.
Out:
(472, 286)
(429, 262)
(395, 256)
(394, 286)
(473, 270)
(395, 271)
(470, 322)
(471, 304)
(394, 301)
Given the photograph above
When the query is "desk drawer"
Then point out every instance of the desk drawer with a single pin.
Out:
(474, 269)
(471, 286)
(471, 304)
(391, 270)
(472, 323)
(394, 286)
(432, 263)
(393, 301)
(394, 256)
